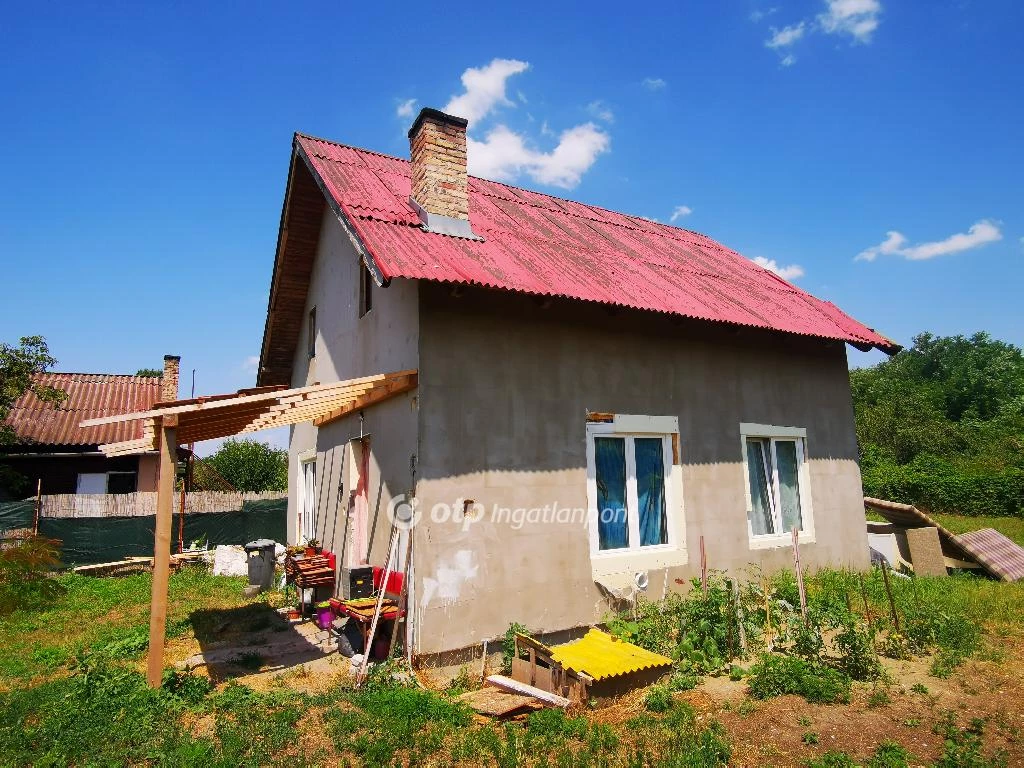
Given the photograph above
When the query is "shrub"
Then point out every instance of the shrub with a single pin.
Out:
(775, 675)
(25, 568)
(889, 755)
(857, 657)
(508, 646)
(832, 759)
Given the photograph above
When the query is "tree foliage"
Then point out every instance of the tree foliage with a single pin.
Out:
(250, 465)
(149, 373)
(18, 366)
(941, 425)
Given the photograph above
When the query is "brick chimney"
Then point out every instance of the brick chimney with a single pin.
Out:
(440, 195)
(169, 385)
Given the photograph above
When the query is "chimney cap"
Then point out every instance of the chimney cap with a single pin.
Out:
(173, 357)
(439, 116)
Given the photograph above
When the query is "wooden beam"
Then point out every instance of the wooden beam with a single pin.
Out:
(162, 550)
(378, 394)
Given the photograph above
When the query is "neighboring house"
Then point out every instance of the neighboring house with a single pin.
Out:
(54, 449)
(596, 392)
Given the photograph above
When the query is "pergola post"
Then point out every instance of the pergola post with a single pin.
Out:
(167, 432)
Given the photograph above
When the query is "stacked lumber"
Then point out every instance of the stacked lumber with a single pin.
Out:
(306, 572)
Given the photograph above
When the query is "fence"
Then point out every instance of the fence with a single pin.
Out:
(89, 533)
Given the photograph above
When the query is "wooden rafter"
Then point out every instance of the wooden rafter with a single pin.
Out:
(250, 411)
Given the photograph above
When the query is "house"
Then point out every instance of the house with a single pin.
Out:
(596, 393)
(65, 457)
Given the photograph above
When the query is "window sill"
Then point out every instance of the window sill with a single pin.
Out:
(778, 542)
(603, 564)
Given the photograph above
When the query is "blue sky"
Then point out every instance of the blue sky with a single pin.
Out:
(144, 150)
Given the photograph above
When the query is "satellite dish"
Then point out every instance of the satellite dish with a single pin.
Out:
(640, 581)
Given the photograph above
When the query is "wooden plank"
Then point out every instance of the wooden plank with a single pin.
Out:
(379, 394)
(508, 684)
(161, 554)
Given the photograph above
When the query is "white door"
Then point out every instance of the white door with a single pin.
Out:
(307, 503)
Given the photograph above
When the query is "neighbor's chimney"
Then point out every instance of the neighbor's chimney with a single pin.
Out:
(169, 385)
(440, 194)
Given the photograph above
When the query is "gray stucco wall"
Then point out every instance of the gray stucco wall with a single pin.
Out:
(505, 384)
(349, 346)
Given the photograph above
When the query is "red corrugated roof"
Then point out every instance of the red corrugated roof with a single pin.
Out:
(544, 245)
(90, 395)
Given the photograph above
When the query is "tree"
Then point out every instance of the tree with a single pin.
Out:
(250, 465)
(149, 373)
(18, 368)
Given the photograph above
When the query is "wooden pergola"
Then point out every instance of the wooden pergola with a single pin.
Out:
(178, 422)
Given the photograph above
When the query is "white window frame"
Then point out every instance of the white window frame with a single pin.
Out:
(306, 523)
(636, 557)
(771, 433)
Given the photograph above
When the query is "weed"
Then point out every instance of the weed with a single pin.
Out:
(895, 646)
(775, 675)
(810, 738)
(462, 682)
(658, 699)
(736, 673)
(25, 568)
(832, 759)
(920, 688)
(889, 755)
(963, 748)
(508, 646)
(857, 653)
(879, 697)
(250, 660)
(945, 663)
(746, 707)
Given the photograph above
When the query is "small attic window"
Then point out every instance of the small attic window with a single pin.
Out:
(365, 289)
(311, 334)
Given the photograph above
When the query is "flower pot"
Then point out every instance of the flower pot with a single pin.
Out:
(310, 551)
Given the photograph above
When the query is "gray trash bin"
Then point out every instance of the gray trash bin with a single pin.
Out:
(261, 563)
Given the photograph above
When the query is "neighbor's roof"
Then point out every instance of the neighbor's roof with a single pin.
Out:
(532, 243)
(90, 395)
(600, 655)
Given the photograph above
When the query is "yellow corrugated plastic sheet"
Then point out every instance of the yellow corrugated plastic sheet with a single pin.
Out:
(600, 655)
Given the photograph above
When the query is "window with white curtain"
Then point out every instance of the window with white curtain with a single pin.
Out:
(778, 492)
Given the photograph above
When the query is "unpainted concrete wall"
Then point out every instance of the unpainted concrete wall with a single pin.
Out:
(349, 346)
(505, 385)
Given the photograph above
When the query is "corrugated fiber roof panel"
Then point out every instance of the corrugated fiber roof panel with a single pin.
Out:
(543, 245)
(601, 656)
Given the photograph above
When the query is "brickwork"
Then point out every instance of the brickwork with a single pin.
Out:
(438, 149)
(169, 385)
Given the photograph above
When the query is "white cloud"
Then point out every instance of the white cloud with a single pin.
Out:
(782, 38)
(485, 89)
(757, 15)
(856, 18)
(601, 111)
(503, 155)
(788, 60)
(653, 83)
(680, 211)
(406, 108)
(895, 244)
(251, 364)
(789, 272)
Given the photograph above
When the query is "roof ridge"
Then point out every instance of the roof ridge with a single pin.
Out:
(87, 373)
(513, 187)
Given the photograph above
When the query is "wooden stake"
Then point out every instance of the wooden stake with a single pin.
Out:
(767, 613)
(181, 522)
(39, 504)
(799, 573)
(403, 595)
(888, 593)
(739, 617)
(864, 595)
(162, 548)
(380, 604)
(703, 568)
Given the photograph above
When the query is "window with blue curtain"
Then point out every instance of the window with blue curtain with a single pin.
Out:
(610, 473)
(650, 490)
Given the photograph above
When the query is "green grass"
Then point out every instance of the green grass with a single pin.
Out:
(1010, 527)
(105, 615)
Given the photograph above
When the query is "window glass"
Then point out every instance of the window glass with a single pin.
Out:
(610, 471)
(789, 485)
(759, 471)
(650, 491)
